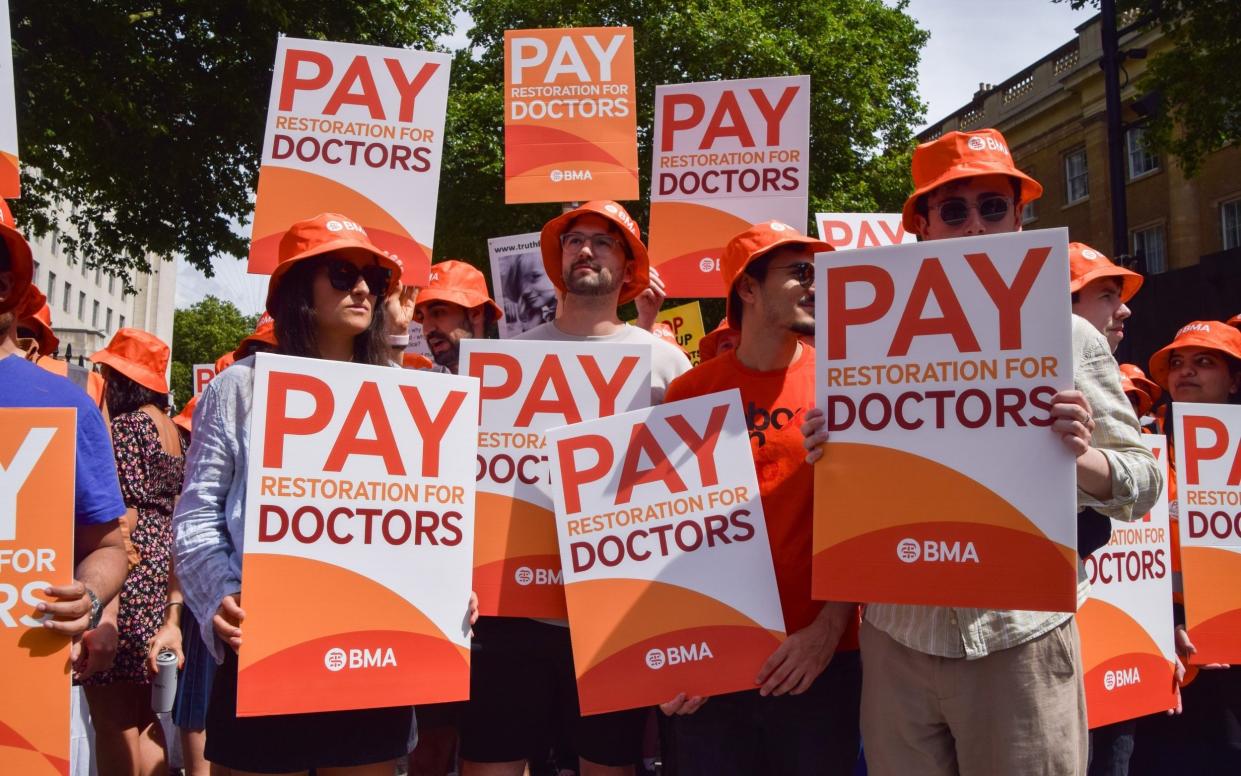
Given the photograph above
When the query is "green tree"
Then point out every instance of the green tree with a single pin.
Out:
(1197, 79)
(861, 56)
(201, 334)
(147, 115)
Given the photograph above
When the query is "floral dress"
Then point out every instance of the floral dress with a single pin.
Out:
(150, 481)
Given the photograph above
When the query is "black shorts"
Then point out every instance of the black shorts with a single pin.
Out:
(523, 700)
(298, 742)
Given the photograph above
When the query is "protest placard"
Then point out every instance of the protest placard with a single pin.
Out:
(417, 341)
(570, 115)
(1208, 495)
(1128, 654)
(10, 169)
(668, 572)
(525, 388)
(37, 448)
(942, 482)
(203, 375)
(521, 285)
(851, 231)
(728, 154)
(685, 323)
(356, 573)
(355, 130)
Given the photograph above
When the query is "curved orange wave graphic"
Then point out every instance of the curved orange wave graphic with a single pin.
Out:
(1107, 631)
(528, 147)
(289, 620)
(647, 609)
(500, 594)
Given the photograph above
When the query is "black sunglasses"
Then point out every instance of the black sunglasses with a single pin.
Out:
(954, 211)
(802, 272)
(343, 275)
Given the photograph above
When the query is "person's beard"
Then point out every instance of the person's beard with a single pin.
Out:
(448, 357)
(601, 283)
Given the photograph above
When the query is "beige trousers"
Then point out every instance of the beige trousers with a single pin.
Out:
(1016, 712)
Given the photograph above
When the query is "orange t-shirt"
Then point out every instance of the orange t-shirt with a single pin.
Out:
(775, 404)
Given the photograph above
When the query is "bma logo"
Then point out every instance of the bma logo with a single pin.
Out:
(980, 143)
(936, 551)
(908, 550)
(1194, 327)
(658, 658)
(337, 226)
(708, 264)
(526, 576)
(1121, 677)
(338, 659)
(776, 226)
(570, 175)
(1089, 255)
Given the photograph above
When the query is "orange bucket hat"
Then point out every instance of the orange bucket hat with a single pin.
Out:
(20, 259)
(957, 155)
(264, 333)
(1087, 265)
(416, 360)
(1131, 391)
(1235, 321)
(1141, 382)
(185, 418)
(36, 315)
(139, 355)
(709, 345)
(549, 245)
(459, 283)
(756, 241)
(1213, 335)
(328, 233)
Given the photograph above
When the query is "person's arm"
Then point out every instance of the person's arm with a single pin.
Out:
(202, 548)
(101, 567)
(801, 657)
(649, 301)
(1116, 473)
(168, 637)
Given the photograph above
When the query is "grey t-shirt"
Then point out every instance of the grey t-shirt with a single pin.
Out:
(668, 362)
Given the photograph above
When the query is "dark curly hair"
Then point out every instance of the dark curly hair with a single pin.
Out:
(293, 311)
(124, 395)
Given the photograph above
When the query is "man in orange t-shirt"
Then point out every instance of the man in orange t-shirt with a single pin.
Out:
(802, 718)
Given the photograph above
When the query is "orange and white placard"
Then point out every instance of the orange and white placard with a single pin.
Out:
(356, 130)
(359, 533)
(525, 388)
(851, 231)
(942, 482)
(10, 170)
(1128, 653)
(727, 154)
(203, 375)
(570, 115)
(1208, 488)
(668, 571)
(37, 448)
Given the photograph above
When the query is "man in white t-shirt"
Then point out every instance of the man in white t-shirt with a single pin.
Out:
(523, 693)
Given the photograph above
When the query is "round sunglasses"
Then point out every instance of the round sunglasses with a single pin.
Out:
(343, 275)
(953, 212)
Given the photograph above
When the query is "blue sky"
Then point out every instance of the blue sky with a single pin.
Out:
(970, 43)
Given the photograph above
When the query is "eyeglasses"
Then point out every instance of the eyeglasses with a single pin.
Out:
(802, 272)
(953, 212)
(343, 275)
(599, 243)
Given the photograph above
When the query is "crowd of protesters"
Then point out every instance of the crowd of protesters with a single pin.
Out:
(895, 690)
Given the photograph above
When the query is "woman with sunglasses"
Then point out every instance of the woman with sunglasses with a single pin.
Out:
(326, 296)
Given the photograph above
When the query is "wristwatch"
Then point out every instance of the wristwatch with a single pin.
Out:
(96, 609)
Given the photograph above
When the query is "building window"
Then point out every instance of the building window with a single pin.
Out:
(68, 296)
(1028, 213)
(1230, 219)
(51, 285)
(36, 273)
(81, 306)
(1150, 246)
(1141, 161)
(94, 315)
(97, 276)
(1076, 180)
(108, 325)
(122, 323)
(111, 284)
